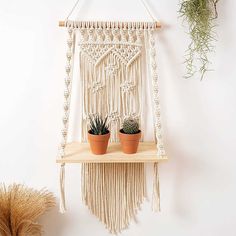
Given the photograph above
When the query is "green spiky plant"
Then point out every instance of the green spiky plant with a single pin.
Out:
(130, 126)
(98, 125)
(200, 16)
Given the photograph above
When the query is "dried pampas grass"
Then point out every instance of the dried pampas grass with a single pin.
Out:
(20, 208)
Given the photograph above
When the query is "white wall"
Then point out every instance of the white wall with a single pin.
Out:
(197, 184)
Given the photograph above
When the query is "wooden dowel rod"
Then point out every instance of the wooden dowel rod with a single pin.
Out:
(63, 24)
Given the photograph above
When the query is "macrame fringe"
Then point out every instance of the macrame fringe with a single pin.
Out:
(156, 203)
(62, 189)
(113, 192)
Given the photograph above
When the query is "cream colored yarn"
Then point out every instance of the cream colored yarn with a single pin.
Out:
(114, 58)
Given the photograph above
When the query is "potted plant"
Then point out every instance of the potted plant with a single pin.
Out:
(130, 135)
(98, 135)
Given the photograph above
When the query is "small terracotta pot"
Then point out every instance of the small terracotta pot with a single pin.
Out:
(98, 143)
(129, 142)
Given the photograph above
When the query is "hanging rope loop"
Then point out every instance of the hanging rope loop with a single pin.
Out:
(144, 4)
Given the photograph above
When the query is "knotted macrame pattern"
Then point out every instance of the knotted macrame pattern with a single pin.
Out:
(114, 59)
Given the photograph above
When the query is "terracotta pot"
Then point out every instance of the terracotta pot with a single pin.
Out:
(98, 143)
(129, 142)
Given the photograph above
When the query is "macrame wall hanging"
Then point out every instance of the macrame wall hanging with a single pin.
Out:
(116, 60)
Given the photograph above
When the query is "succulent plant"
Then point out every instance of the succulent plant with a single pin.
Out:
(98, 125)
(130, 126)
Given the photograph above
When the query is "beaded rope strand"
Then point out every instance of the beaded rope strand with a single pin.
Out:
(65, 119)
(157, 120)
(155, 91)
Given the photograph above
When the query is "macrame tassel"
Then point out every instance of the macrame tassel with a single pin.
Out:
(113, 192)
(62, 189)
(156, 203)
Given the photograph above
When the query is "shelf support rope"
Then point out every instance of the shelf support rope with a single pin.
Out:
(157, 120)
(67, 100)
(156, 201)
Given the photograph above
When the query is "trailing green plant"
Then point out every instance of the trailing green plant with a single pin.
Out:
(200, 16)
(130, 126)
(98, 125)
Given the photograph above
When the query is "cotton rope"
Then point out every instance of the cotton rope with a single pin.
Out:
(155, 90)
(65, 120)
(111, 73)
(157, 120)
(112, 192)
(144, 3)
(62, 189)
(73, 8)
(148, 9)
(156, 203)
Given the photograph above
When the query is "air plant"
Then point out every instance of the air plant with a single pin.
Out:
(200, 16)
(20, 207)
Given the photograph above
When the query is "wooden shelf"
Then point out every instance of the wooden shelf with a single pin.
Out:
(80, 153)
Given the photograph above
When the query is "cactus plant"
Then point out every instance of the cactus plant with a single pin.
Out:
(130, 126)
(130, 136)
